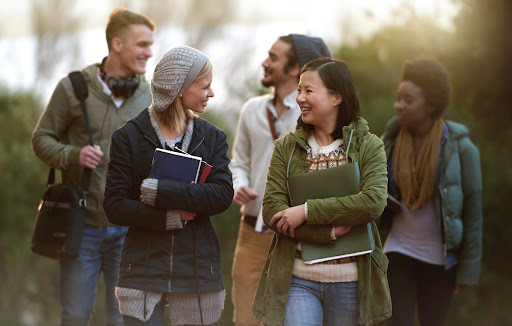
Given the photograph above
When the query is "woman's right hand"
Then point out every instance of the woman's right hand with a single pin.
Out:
(341, 230)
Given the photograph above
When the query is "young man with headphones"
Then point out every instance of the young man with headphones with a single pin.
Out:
(118, 91)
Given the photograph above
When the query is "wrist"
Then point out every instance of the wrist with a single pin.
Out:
(148, 190)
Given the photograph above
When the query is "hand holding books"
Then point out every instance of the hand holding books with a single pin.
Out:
(333, 182)
(179, 166)
(289, 219)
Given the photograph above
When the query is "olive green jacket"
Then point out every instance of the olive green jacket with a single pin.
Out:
(366, 149)
(61, 133)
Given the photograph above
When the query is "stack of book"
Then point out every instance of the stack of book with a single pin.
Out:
(178, 166)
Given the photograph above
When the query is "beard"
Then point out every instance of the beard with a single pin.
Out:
(267, 83)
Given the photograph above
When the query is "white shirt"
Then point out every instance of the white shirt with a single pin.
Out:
(254, 143)
(108, 91)
(417, 234)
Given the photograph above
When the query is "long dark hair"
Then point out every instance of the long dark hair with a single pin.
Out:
(338, 80)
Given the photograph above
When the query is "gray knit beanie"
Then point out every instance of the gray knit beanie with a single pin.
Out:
(174, 72)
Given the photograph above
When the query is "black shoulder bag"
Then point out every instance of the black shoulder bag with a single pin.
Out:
(60, 217)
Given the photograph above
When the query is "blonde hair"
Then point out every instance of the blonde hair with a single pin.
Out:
(176, 115)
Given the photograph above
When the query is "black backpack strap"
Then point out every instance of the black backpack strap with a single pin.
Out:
(81, 92)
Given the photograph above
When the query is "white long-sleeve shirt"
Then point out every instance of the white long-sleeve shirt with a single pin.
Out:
(254, 143)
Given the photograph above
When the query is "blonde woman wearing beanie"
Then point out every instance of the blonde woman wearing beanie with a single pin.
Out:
(171, 253)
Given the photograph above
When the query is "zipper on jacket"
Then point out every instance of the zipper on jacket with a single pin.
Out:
(171, 261)
(197, 146)
(146, 277)
(440, 189)
(129, 268)
(443, 222)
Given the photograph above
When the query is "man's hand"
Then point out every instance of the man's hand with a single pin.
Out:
(289, 219)
(90, 156)
(244, 194)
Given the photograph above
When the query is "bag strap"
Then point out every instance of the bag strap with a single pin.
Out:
(81, 92)
(270, 118)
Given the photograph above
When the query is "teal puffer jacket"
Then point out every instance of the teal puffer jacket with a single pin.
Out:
(458, 193)
(366, 149)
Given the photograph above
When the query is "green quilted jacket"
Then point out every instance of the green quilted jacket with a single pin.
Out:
(458, 197)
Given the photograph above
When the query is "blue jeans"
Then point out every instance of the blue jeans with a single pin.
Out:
(314, 303)
(100, 250)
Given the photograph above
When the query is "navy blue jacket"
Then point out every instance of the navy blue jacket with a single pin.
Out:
(154, 258)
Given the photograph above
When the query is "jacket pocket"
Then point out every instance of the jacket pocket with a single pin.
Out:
(376, 305)
(380, 260)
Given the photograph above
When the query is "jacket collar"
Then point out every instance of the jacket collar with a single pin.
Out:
(358, 127)
(143, 124)
(90, 74)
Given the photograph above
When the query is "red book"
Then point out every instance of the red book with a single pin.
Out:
(204, 171)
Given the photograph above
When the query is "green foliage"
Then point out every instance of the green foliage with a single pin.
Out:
(482, 71)
(376, 62)
(27, 280)
(222, 123)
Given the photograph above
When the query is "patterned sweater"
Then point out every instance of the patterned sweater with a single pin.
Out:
(339, 270)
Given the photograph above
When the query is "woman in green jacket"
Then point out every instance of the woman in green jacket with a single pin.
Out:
(435, 241)
(347, 291)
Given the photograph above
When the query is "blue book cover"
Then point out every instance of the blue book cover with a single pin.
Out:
(175, 166)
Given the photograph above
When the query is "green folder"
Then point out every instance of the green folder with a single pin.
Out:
(338, 181)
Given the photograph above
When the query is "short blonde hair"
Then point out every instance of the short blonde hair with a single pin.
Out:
(122, 18)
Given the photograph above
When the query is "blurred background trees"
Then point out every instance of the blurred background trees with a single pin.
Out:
(476, 53)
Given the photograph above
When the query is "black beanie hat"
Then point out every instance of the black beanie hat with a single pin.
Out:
(308, 48)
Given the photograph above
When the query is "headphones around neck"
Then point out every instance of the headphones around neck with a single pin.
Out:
(120, 87)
